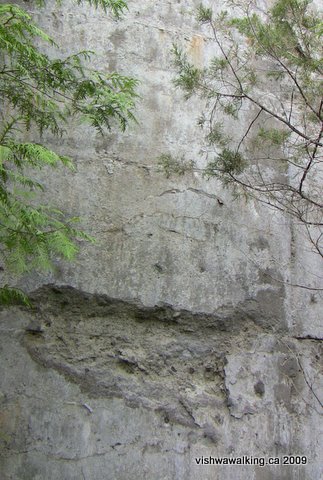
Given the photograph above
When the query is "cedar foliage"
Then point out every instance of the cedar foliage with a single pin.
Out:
(263, 97)
(43, 93)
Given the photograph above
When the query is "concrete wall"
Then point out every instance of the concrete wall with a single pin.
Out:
(176, 335)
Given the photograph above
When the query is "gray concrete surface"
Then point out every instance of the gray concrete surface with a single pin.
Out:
(177, 335)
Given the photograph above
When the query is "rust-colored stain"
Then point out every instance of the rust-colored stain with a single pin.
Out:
(196, 50)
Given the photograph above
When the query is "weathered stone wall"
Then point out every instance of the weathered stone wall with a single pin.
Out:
(176, 335)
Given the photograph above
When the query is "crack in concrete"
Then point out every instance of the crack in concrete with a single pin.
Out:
(197, 191)
(309, 337)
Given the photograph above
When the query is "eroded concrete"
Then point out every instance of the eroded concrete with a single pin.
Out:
(178, 334)
(112, 389)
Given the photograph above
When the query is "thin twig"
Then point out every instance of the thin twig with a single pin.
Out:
(248, 129)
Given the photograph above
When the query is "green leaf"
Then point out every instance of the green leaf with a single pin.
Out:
(42, 93)
(226, 162)
(204, 14)
(13, 296)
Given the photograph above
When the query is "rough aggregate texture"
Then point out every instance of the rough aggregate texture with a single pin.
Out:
(111, 389)
(178, 334)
